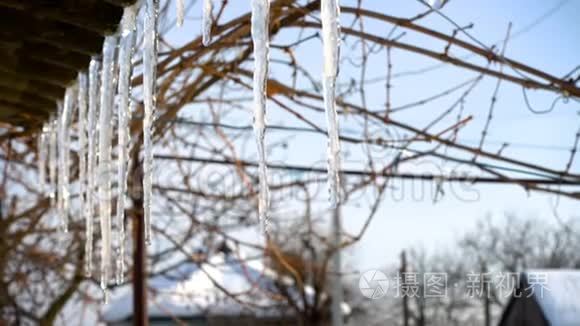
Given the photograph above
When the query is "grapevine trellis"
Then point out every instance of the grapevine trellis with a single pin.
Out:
(105, 92)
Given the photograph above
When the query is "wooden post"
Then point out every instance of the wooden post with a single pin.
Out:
(139, 273)
(140, 314)
(336, 284)
(405, 299)
(486, 303)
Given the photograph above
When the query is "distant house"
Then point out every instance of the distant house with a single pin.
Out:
(544, 298)
(189, 293)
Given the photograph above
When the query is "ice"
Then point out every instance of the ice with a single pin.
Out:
(64, 157)
(59, 164)
(82, 133)
(53, 159)
(91, 160)
(129, 19)
(330, 11)
(180, 12)
(260, 37)
(207, 21)
(105, 146)
(149, 77)
(124, 90)
(42, 150)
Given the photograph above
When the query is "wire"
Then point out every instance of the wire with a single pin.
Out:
(548, 110)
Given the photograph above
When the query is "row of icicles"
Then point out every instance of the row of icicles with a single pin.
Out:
(105, 90)
(98, 97)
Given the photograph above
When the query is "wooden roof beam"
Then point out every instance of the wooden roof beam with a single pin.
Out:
(43, 45)
(27, 99)
(22, 112)
(45, 53)
(121, 3)
(61, 35)
(97, 16)
(34, 70)
(42, 89)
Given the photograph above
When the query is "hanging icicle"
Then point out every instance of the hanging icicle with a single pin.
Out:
(330, 11)
(64, 157)
(59, 169)
(149, 78)
(207, 22)
(82, 134)
(53, 159)
(69, 102)
(91, 161)
(260, 37)
(180, 6)
(105, 163)
(42, 151)
(124, 89)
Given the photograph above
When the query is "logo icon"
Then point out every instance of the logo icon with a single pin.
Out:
(373, 284)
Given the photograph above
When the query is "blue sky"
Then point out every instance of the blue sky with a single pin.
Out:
(551, 45)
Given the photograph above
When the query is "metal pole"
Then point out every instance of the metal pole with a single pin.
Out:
(336, 285)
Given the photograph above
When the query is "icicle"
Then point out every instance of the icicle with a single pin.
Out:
(52, 159)
(180, 12)
(105, 166)
(91, 161)
(59, 150)
(124, 87)
(128, 22)
(260, 37)
(207, 22)
(149, 77)
(82, 130)
(42, 150)
(69, 105)
(330, 11)
(64, 157)
(82, 133)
